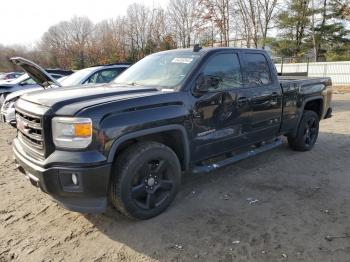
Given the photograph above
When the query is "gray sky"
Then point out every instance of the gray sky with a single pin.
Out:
(24, 21)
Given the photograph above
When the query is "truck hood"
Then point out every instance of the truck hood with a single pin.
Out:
(38, 74)
(88, 95)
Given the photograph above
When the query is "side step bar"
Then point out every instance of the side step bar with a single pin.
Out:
(228, 161)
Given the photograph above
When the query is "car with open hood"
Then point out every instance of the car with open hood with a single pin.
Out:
(25, 81)
(43, 80)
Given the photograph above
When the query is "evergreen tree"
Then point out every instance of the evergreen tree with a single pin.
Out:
(306, 27)
(293, 23)
(330, 33)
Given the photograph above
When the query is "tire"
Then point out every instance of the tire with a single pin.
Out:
(307, 132)
(145, 180)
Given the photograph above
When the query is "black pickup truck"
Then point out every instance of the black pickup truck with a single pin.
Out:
(130, 142)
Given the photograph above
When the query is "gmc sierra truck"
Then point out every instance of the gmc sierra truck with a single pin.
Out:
(130, 142)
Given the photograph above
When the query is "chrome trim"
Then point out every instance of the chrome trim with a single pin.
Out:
(22, 138)
(30, 123)
(32, 177)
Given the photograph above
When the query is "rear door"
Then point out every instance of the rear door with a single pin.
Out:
(264, 96)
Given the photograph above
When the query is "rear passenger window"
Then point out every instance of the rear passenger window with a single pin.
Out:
(104, 76)
(227, 68)
(258, 72)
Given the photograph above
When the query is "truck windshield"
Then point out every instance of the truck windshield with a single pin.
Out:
(159, 70)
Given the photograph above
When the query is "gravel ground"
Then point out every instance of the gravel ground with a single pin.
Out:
(278, 206)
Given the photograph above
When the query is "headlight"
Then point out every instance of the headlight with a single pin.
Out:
(70, 132)
(8, 104)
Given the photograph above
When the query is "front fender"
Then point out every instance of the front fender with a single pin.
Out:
(174, 127)
(116, 128)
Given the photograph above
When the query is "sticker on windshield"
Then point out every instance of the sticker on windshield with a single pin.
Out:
(182, 60)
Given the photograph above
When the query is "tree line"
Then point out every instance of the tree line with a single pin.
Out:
(316, 29)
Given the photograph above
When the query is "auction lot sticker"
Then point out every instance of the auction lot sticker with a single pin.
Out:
(182, 60)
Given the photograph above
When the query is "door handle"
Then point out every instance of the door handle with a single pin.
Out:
(274, 94)
(242, 99)
(274, 99)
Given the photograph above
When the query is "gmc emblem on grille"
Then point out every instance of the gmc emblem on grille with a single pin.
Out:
(22, 126)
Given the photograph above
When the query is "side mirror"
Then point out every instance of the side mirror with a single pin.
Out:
(23, 83)
(206, 83)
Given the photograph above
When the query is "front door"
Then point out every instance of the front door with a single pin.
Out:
(221, 116)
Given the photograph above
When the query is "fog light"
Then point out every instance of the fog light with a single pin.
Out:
(75, 179)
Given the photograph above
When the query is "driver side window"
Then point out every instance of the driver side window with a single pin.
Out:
(226, 70)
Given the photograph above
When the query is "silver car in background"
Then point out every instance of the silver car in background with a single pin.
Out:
(91, 75)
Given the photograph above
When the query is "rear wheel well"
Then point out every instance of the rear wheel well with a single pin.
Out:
(316, 106)
(173, 139)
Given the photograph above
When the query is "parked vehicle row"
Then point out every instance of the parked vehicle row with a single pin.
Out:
(27, 82)
(87, 76)
(10, 76)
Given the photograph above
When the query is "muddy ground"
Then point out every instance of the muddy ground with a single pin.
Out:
(278, 206)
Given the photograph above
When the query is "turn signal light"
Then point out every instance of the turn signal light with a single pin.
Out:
(82, 129)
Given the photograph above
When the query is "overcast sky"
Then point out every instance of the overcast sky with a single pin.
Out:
(24, 21)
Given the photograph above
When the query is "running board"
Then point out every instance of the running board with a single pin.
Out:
(228, 161)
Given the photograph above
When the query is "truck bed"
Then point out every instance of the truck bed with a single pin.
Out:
(301, 80)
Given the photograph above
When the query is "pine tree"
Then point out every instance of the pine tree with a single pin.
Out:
(330, 33)
(293, 23)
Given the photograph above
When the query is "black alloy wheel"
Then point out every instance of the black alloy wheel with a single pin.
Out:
(310, 133)
(152, 184)
(307, 133)
(145, 180)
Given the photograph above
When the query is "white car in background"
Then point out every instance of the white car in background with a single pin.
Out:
(91, 75)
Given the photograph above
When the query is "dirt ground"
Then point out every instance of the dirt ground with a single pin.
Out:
(341, 89)
(278, 206)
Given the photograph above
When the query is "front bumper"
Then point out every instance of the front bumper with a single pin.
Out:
(88, 196)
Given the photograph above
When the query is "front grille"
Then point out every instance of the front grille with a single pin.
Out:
(30, 132)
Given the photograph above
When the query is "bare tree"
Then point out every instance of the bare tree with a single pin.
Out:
(138, 20)
(146, 29)
(80, 30)
(181, 17)
(250, 15)
(218, 11)
(243, 26)
(69, 40)
(266, 13)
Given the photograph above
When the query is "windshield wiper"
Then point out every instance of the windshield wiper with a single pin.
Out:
(129, 83)
(134, 84)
